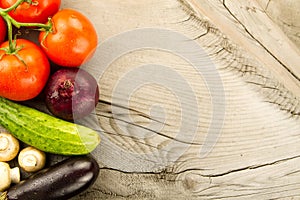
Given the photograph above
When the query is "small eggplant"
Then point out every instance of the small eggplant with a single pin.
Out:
(61, 181)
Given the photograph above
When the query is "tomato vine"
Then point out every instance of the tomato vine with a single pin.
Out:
(4, 13)
(25, 64)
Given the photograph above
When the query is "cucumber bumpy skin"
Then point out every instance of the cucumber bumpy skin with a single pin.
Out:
(45, 132)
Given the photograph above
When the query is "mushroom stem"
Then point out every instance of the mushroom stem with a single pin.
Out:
(15, 175)
(8, 176)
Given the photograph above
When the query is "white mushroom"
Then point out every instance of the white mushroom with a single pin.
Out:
(8, 176)
(31, 159)
(9, 147)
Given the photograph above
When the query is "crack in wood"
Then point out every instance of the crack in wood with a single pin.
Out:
(102, 191)
(207, 191)
(114, 117)
(260, 43)
(253, 167)
(130, 109)
(184, 5)
(236, 62)
(167, 171)
(153, 131)
(266, 8)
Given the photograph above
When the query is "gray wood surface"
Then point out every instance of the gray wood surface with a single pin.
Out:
(199, 99)
(219, 120)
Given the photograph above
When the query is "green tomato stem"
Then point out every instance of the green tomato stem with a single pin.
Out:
(44, 27)
(10, 21)
(12, 7)
(12, 45)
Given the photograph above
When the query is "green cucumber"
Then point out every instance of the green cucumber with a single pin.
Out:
(46, 132)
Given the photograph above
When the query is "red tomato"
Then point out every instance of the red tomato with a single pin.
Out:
(23, 78)
(37, 12)
(2, 30)
(72, 41)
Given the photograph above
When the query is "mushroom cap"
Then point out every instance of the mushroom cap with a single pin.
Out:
(31, 159)
(5, 176)
(9, 147)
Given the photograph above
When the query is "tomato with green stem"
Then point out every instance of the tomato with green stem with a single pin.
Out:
(2, 30)
(24, 70)
(71, 41)
(32, 11)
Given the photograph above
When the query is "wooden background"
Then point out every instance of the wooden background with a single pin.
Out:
(218, 120)
(172, 131)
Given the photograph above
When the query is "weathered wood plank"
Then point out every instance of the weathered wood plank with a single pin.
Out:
(257, 151)
(247, 24)
(286, 14)
(196, 101)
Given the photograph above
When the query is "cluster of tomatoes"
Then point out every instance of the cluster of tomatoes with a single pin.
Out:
(67, 38)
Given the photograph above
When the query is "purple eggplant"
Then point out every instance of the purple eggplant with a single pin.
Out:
(61, 181)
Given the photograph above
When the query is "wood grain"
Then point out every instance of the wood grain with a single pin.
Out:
(286, 15)
(224, 125)
(256, 153)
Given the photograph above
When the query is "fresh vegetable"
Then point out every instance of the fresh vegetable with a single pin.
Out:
(9, 147)
(45, 132)
(8, 176)
(2, 30)
(59, 182)
(23, 72)
(67, 39)
(37, 11)
(72, 39)
(24, 67)
(31, 159)
(71, 93)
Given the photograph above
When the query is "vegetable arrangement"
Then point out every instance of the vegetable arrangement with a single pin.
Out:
(66, 39)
